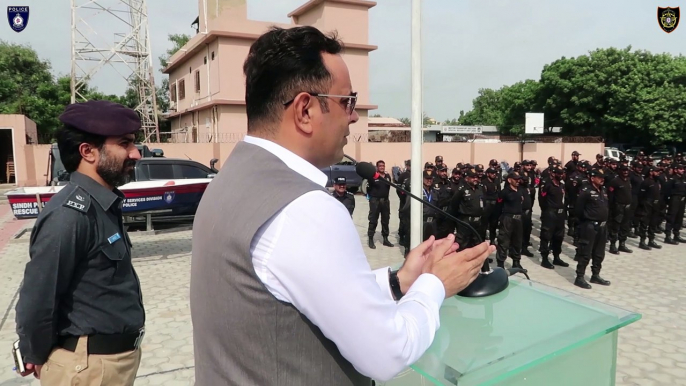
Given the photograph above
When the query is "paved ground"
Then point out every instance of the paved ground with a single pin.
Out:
(651, 351)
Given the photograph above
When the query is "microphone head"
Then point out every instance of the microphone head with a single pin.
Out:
(365, 170)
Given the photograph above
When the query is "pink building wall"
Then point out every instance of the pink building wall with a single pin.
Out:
(218, 51)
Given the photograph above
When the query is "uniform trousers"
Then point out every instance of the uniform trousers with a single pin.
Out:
(592, 237)
(527, 226)
(619, 223)
(649, 219)
(572, 221)
(489, 220)
(552, 231)
(65, 367)
(675, 214)
(444, 227)
(403, 222)
(631, 213)
(465, 237)
(379, 206)
(510, 237)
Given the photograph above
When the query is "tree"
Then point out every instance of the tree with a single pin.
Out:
(486, 109)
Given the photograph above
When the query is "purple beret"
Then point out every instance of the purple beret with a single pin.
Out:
(104, 118)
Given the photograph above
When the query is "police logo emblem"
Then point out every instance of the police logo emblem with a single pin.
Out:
(18, 17)
(169, 197)
(668, 18)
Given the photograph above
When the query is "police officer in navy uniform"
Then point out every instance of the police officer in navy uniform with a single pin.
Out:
(444, 225)
(402, 217)
(510, 232)
(341, 194)
(81, 295)
(553, 216)
(467, 205)
(675, 194)
(379, 204)
(592, 209)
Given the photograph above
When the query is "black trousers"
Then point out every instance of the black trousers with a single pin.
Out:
(572, 221)
(489, 220)
(444, 227)
(592, 237)
(552, 231)
(675, 215)
(649, 219)
(379, 206)
(402, 223)
(631, 213)
(465, 237)
(510, 235)
(619, 223)
(527, 225)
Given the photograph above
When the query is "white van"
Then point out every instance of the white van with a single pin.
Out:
(614, 153)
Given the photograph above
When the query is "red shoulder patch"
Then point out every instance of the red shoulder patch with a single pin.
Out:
(500, 200)
(543, 194)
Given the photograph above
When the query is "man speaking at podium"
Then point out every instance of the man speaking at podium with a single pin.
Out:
(281, 292)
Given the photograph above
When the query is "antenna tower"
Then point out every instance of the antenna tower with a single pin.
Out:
(97, 41)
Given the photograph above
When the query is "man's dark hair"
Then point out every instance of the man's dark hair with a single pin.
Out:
(281, 64)
(379, 162)
(68, 141)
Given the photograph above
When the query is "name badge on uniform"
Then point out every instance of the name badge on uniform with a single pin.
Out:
(114, 238)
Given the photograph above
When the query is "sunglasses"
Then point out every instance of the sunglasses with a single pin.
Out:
(348, 101)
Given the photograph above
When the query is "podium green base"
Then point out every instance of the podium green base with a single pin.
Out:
(530, 334)
(591, 364)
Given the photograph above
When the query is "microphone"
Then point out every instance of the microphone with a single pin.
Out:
(490, 281)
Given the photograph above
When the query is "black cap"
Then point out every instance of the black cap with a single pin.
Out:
(104, 118)
(576, 153)
(408, 162)
(429, 165)
(428, 174)
(339, 181)
(514, 176)
(443, 167)
(598, 156)
(595, 172)
(557, 170)
(479, 169)
(491, 170)
(456, 170)
(493, 162)
(439, 158)
(623, 167)
(470, 173)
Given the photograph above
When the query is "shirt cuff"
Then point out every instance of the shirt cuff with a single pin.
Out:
(383, 280)
(429, 285)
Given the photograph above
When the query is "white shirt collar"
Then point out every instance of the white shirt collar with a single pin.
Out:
(292, 160)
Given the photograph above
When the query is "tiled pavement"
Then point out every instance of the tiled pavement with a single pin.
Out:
(652, 351)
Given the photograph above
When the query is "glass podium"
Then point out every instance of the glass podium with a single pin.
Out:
(529, 334)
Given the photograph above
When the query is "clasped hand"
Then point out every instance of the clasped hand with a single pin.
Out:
(439, 257)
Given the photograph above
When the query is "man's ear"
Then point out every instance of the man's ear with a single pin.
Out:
(302, 112)
(88, 152)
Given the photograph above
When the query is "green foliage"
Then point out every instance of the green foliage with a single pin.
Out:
(621, 95)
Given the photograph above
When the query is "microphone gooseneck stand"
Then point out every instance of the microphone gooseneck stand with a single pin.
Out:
(490, 281)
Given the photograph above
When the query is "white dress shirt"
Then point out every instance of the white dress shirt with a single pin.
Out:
(310, 255)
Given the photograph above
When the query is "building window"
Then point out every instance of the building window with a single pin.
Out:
(205, 60)
(197, 81)
(212, 55)
(182, 89)
(172, 91)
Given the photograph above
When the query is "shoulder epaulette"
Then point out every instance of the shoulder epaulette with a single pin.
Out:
(78, 200)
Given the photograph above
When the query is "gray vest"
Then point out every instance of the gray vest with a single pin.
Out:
(242, 334)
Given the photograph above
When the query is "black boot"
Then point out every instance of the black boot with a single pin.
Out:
(581, 282)
(516, 264)
(613, 248)
(643, 244)
(668, 240)
(386, 242)
(653, 244)
(632, 235)
(545, 263)
(596, 279)
(526, 252)
(560, 262)
(371, 243)
(623, 247)
(501, 264)
(679, 238)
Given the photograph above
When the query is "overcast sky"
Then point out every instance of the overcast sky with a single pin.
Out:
(467, 44)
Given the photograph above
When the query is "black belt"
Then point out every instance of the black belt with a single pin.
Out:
(514, 216)
(470, 219)
(104, 344)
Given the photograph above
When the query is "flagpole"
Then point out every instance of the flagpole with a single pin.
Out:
(417, 123)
